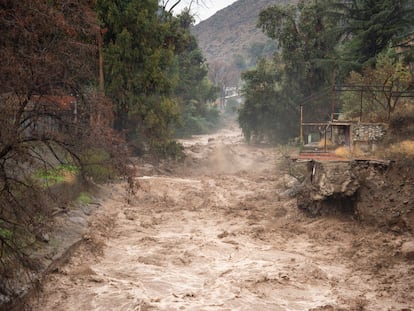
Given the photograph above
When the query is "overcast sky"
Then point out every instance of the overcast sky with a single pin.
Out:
(205, 9)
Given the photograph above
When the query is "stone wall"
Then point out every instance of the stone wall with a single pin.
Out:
(367, 135)
(368, 132)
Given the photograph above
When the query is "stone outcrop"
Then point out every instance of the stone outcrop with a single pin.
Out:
(328, 188)
(376, 192)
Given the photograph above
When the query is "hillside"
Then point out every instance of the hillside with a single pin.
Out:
(232, 31)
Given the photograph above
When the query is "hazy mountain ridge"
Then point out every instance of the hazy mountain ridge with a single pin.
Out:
(232, 30)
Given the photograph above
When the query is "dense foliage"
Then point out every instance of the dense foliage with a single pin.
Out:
(320, 42)
(299, 69)
(384, 89)
(47, 64)
(59, 106)
(193, 91)
(153, 70)
(371, 27)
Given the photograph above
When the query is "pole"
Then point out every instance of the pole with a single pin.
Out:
(333, 96)
(301, 125)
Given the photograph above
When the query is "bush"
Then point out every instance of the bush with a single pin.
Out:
(84, 198)
(402, 124)
(170, 149)
(55, 175)
(97, 164)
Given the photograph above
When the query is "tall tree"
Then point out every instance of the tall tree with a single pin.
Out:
(48, 55)
(193, 90)
(263, 115)
(372, 26)
(306, 35)
(139, 48)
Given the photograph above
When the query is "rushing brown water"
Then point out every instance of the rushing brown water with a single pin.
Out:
(215, 233)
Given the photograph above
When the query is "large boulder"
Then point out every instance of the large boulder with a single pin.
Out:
(328, 188)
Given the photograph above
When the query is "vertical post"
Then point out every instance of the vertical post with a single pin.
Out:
(101, 81)
(333, 106)
(333, 96)
(301, 125)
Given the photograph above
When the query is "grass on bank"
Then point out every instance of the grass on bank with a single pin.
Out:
(55, 175)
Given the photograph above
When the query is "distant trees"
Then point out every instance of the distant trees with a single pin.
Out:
(193, 91)
(306, 43)
(262, 116)
(320, 42)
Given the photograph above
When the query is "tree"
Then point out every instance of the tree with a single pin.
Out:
(371, 26)
(170, 5)
(262, 117)
(222, 75)
(193, 90)
(139, 49)
(306, 37)
(381, 88)
(48, 63)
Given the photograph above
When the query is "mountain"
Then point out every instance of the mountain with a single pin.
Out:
(232, 33)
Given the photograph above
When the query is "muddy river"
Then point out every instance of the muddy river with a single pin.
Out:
(217, 232)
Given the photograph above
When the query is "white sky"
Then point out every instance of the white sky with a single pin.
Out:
(205, 9)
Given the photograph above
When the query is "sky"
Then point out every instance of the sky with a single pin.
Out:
(205, 9)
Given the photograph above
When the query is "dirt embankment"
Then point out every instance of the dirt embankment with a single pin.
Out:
(221, 232)
(379, 193)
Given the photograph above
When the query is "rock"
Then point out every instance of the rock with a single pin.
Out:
(289, 181)
(78, 220)
(223, 235)
(407, 250)
(329, 187)
(45, 238)
(291, 192)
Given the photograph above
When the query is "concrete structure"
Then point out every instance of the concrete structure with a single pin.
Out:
(334, 134)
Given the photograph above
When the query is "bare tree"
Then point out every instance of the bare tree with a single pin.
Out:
(170, 5)
(49, 54)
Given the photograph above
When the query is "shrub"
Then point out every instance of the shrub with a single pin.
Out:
(55, 175)
(84, 198)
(97, 164)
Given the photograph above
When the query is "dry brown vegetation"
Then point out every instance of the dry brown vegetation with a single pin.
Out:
(47, 117)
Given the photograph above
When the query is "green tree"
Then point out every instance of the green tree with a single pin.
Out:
(193, 90)
(139, 46)
(264, 115)
(154, 70)
(306, 37)
(371, 26)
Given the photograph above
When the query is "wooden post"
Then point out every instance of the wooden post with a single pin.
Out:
(301, 126)
(333, 96)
